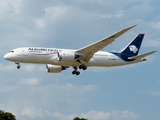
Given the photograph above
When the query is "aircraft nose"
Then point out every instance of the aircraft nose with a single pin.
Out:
(6, 56)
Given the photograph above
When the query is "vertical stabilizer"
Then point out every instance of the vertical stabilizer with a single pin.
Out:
(133, 47)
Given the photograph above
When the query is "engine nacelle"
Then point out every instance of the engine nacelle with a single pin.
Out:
(66, 56)
(54, 68)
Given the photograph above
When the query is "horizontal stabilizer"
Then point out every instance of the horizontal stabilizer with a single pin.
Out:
(141, 56)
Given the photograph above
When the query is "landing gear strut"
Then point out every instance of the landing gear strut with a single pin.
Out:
(18, 65)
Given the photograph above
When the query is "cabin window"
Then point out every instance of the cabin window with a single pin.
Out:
(11, 51)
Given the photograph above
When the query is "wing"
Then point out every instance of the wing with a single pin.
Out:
(86, 53)
(142, 55)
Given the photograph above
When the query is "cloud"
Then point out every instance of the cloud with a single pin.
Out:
(6, 89)
(8, 9)
(152, 43)
(155, 93)
(7, 67)
(32, 112)
(29, 97)
(31, 67)
(125, 114)
(51, 15)
(156, 25)
(51, 21)
(30, 81)
(152, 92)
(91, 115)
(118, 14)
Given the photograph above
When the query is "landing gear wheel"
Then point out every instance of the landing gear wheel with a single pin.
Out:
(18, 67)
(77, 72)
(83, 67)
(74, 72)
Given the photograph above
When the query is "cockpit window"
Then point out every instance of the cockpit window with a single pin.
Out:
(11, 51)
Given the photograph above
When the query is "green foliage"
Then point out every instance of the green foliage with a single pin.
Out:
(6, 116)
(77, 118)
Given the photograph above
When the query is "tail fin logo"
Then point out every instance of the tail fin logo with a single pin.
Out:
(133, 48)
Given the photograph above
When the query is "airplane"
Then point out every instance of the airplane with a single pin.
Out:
(57, 60)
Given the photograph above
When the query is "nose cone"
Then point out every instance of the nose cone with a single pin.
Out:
(6, 56)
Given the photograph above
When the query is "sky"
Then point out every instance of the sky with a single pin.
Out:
(120, 93)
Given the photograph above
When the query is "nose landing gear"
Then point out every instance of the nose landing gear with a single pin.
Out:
(18, 65)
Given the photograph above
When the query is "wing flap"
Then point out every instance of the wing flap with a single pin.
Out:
(142, 55)
(88, 51)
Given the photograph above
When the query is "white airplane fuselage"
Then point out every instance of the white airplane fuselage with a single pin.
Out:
(39, 55)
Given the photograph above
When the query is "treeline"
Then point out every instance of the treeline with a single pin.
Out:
(10, 116)
(6, 116)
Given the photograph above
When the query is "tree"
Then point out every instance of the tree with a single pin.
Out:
(6, 116)
(77, 118)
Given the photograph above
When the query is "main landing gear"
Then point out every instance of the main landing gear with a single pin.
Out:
(76, 72)
(83, 67)
(18, 65)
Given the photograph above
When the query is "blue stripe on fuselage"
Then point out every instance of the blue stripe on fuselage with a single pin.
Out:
(122, 56)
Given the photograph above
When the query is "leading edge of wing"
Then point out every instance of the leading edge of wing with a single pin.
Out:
(88, 51)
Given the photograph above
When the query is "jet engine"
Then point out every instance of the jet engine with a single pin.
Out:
(54, 68)
(66, 56)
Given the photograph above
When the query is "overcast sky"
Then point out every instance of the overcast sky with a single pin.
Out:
(120, 93)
